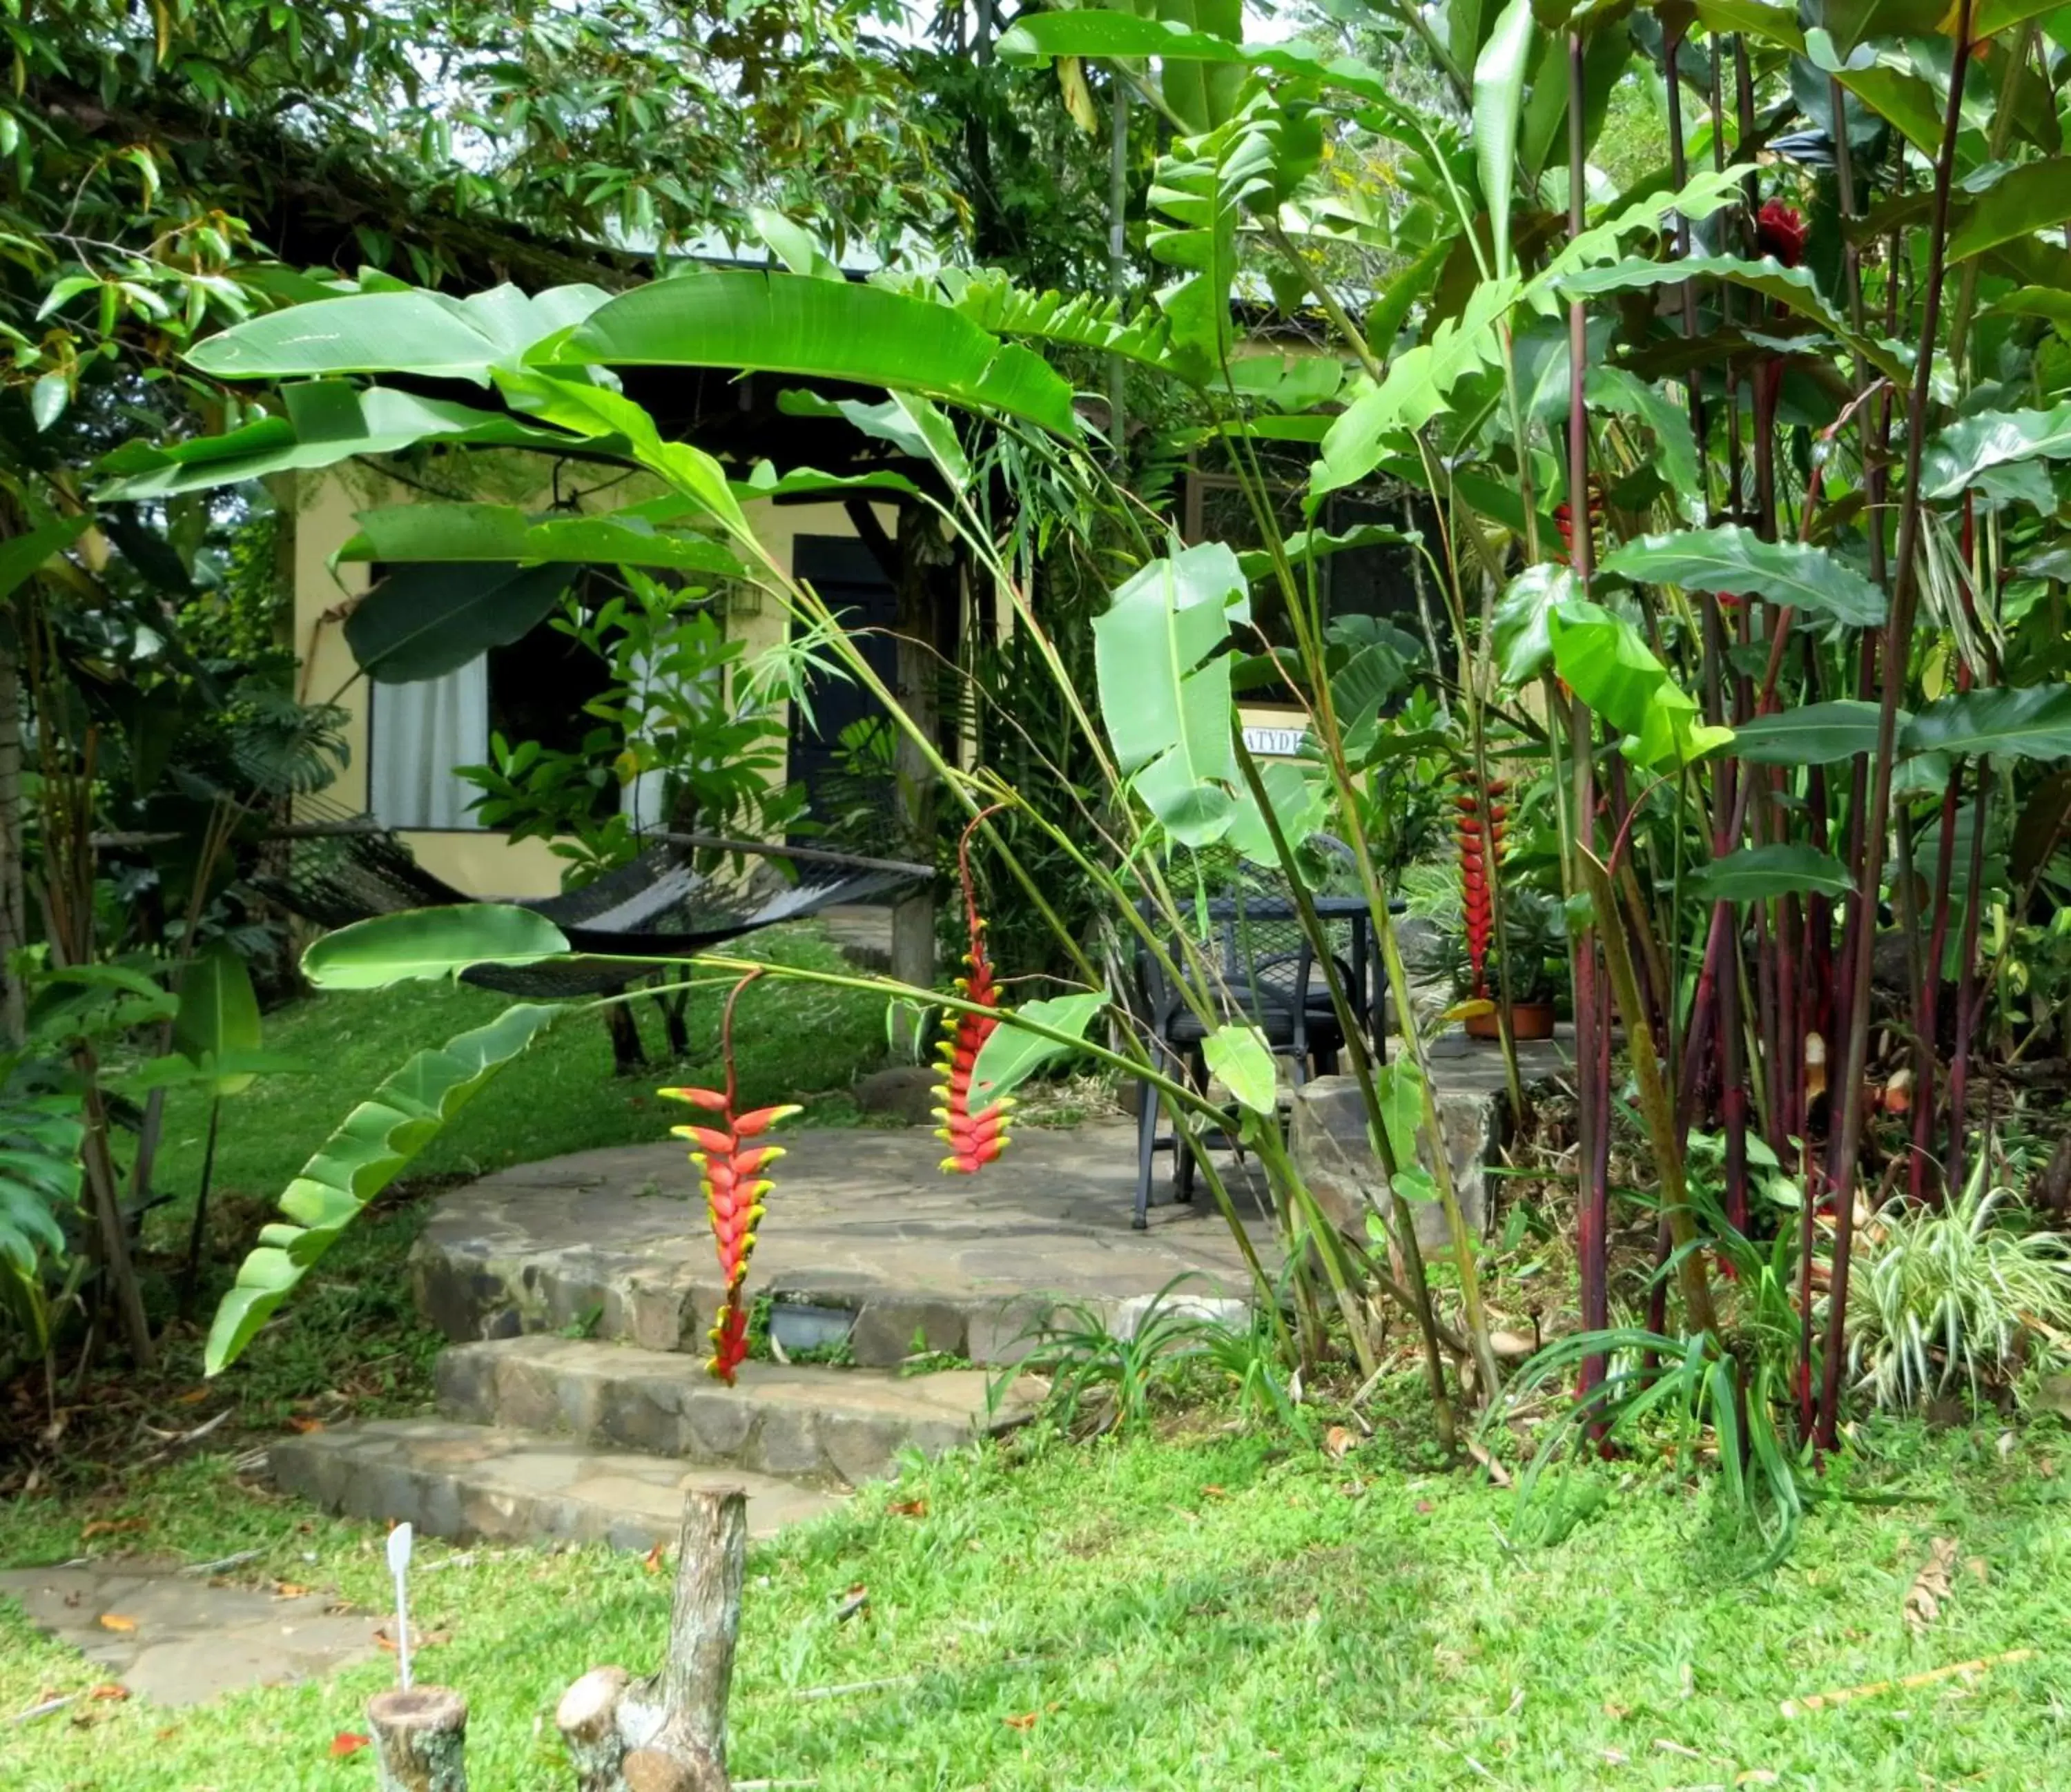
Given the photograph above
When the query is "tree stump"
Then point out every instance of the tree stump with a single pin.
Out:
(420, 1740)
(667, 1733)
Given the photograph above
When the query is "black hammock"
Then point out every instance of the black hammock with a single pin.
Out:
(658, 904)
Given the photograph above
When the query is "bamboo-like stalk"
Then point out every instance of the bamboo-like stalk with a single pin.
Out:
(1967, 1002)
(1898, 639)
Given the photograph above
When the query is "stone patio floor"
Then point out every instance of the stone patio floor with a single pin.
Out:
(862, 1220)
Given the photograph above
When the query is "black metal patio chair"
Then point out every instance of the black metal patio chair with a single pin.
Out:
(1261, 970)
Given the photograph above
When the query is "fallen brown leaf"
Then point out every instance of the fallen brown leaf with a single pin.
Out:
(1212, 1491)
(194, 1396)
(1930, 1589)
(290, 1589)
(111, 1527)
(652, 1561)
(113, 1690)
(296, 1423)
(347, 1742)
(116, 1621)
(1023, 1720)
(908, 1508)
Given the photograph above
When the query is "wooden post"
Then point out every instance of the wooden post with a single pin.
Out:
(420, 1740)
(667, 1733)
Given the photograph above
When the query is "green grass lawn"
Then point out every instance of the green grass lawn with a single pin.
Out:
(1199, 1611)
(794, 1042)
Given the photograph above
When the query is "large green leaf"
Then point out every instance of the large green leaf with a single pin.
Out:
(40, 1136)
(22, 556)
(1777, 25)
(1795, 289)
(1607, 663)
(2029, 722)
(1755, 873)
(328, 421)
(1300, 796)
(1239, 1058)
(418, 332)
(1736, 562)
(1521, 635)
(1200, 192)
(1853, 22)
(1973, 444)
(424, 622)
(1012, 1054)
(1619, 390)
(782, 323)
(376, 1142)
(431, 533)
(218, 1021)
(1499, 73)
(1815, 734)
(1167, 713)
(2027, 198)
(417, 944)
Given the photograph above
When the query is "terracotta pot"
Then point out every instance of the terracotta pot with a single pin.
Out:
(1528, 1020)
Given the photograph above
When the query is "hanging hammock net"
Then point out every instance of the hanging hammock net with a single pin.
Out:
(661, 904)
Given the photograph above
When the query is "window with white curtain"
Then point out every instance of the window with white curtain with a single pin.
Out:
(417, 734)
(533, 689)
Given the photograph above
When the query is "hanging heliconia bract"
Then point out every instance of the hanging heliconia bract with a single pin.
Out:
(974, 1139)
(734, 1185)
(1481, 829)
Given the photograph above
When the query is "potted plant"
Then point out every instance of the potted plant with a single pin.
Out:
(1534, 950)
(1534, 953)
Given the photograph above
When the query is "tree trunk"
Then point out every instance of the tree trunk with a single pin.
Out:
(667, 1733)
(13, 907)
(420, 1740)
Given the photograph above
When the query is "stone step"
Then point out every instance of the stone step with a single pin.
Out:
(840, 1425)
(494, 1483)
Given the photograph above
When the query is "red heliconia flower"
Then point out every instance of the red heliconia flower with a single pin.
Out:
(1477, 852)
(1780, 231)
(974, 1139)
(734, 1188)
(1564, 520)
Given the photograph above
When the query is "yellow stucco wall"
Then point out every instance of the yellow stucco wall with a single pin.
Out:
(481, 863)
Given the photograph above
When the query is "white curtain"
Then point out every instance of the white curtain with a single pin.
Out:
(644, 801)
(420, 733)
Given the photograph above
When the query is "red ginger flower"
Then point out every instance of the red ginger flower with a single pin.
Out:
(734, 1187)
(1476, 899)
(1780, 231)
(974, 1139)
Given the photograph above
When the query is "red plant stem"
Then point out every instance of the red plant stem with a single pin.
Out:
(1926, 1025)
(1897, 640)
(1789, 1025)
(1967, 1005)
(1592, 1218)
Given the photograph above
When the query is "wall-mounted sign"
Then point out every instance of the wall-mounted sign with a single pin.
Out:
(1275, 743)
